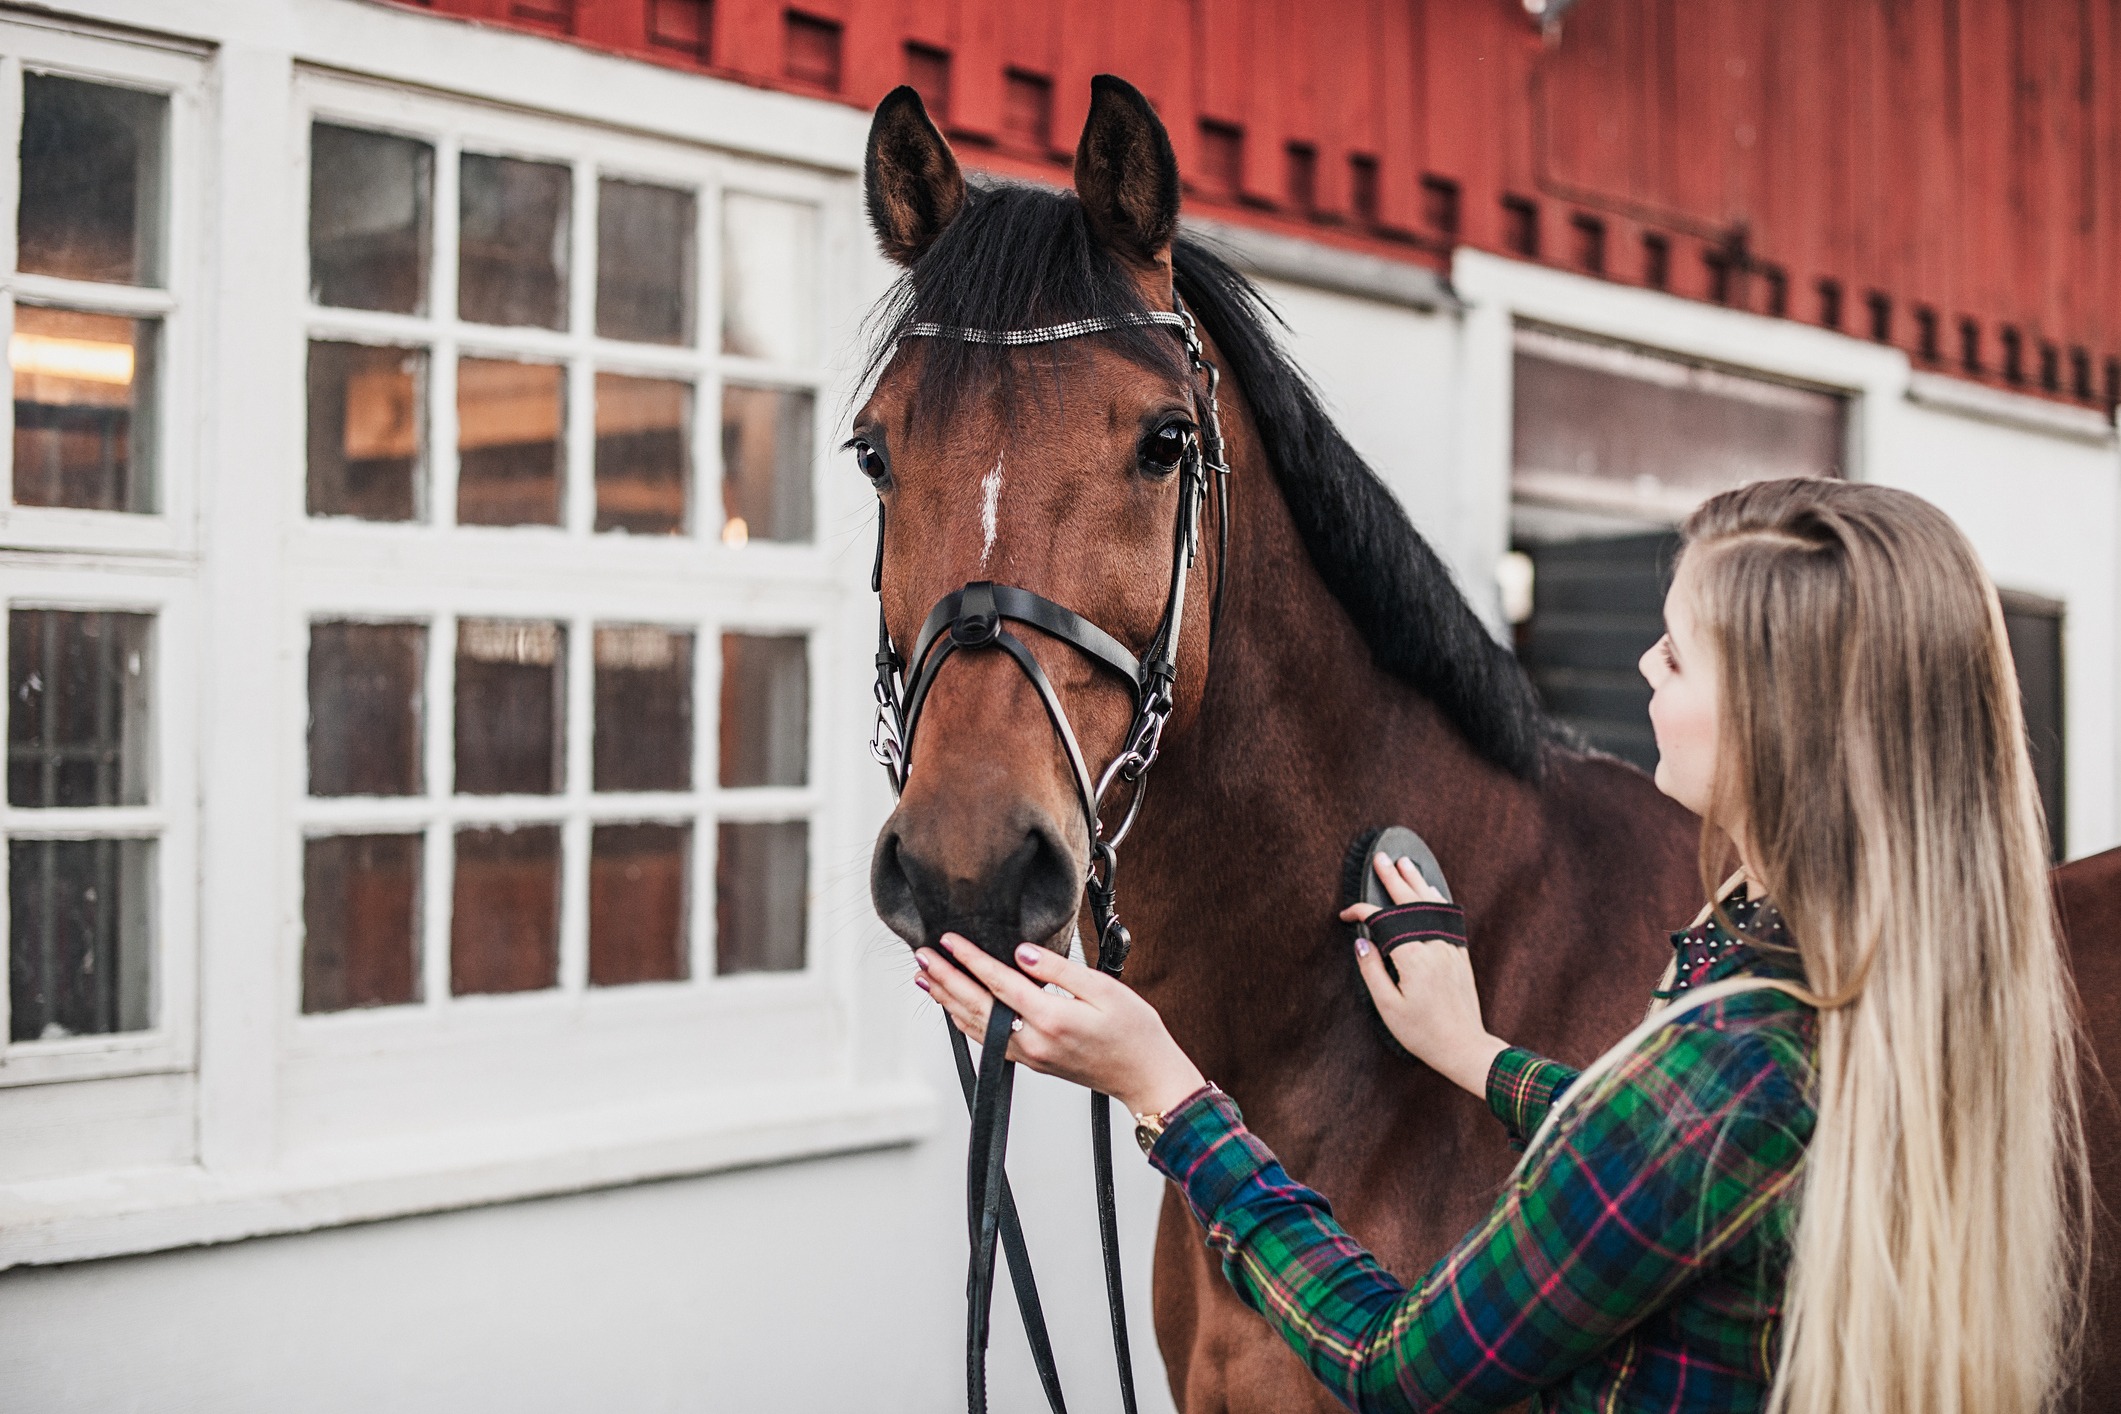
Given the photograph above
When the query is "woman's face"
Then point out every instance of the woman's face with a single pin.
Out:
(1682, 671)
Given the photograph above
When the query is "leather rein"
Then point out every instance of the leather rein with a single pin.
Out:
(974, 618)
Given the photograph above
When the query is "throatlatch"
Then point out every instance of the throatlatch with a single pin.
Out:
(975, 618)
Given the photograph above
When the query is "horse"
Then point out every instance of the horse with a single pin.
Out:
(1343, 682)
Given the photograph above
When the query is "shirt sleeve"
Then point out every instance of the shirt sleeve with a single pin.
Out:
(1686, 1148)
(1522, 1087)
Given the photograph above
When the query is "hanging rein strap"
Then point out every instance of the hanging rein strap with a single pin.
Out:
(975, 618)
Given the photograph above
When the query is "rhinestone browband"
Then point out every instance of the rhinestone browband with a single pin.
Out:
(1051, 334)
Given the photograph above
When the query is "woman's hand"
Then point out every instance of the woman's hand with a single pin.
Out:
(1434, 1009)
(1100, 1035)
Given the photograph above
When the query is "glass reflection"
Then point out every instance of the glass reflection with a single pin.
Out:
(84, 409)
(643, 708)
(360, 916)
(643, 455)
(511, 446)
(369, 233)
(80, 938)
(761, 883)
(644, 262)
(92, 176)
(512, 241)
(504, 922)
(77, 708)
(766, 455)
(769, 278)
(367, 431)
(765, 718)
(511, 706)
(366, 708)
(638, 894)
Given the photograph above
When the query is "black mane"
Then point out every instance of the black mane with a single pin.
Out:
(1021, 257)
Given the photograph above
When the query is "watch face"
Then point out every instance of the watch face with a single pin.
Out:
(1146, 1137)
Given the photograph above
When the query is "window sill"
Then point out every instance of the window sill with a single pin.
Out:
(152, 1210)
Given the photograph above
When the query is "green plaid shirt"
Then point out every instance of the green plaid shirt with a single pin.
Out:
(1636, 1264)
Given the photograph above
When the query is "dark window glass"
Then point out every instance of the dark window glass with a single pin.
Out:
(644, 454)
(512, 241)
(504, 930)
(511, 704)
(765, 738)
(2035, 629)
(92, 164)
(812, 50)
(644, 708)
(77, 718)
(84, 409)
(366, 708)
(367, 431)
(637, 903)
(644, 262)
(511, 442)
(80, 938)
(761, 882)
(1027, 109)
(766, 454)
(369, 232)
(360, 921)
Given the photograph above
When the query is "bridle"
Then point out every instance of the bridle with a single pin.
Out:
(974, 618)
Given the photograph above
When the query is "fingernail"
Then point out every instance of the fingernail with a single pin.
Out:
(920, 962)
(950, 942)
(1386, 858)
(1362, 949)
(921, 982)
(1029, 954)
(1405, 863)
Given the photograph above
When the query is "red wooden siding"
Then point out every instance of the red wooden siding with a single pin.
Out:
(1945, 176)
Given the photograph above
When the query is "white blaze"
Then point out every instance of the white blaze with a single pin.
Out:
(990, 503)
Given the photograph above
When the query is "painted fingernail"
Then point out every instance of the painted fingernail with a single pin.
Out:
(1029, 954)
(950, 941)
(1362, 949)
(921, 982)
(920, 962)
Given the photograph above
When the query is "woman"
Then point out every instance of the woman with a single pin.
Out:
(1838, 1168)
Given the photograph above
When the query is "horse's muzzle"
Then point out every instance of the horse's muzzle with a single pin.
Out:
(1025, 887)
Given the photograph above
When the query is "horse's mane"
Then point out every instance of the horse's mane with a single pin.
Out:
(1021, 257)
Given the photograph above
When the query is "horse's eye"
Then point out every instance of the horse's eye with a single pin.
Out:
(870, 461)
(1163, 449)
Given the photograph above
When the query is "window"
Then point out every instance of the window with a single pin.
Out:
(94, 841)
(557, 640)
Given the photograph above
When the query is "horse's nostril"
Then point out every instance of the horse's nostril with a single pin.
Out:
(1030, 893)
(1047, 890)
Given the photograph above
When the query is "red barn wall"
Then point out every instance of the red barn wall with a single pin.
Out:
(1945, 177)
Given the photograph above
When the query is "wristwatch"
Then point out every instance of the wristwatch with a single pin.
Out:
(1148, 1128)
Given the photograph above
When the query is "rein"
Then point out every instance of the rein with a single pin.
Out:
(974, 618)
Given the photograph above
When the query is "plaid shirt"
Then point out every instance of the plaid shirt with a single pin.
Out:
(1636, 1264)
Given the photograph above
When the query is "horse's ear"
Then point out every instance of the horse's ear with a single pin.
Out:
(1126, 173)
(915, 187)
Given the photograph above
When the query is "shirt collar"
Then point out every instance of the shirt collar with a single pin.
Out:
(1709, 952)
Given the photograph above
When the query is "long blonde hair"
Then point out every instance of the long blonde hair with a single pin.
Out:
(1871, 739)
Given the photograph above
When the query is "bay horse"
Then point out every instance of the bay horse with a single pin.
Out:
(1346, 683)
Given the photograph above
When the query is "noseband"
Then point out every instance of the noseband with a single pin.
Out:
(975, 619)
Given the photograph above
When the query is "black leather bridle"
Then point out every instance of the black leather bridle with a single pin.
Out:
(974, 619)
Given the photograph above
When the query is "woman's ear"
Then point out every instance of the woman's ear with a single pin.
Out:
(915, 187)
(1126, 174)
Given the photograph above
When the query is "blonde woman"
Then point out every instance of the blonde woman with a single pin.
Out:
(1837, 1169)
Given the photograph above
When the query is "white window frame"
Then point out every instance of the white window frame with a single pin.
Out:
(435, 572)
(170, 527)
(120, 561)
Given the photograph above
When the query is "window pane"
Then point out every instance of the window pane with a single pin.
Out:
(761, 882)
(92, 158)
(367, 431)
(512, 241)
(360, 915)
(511, 685)
(644, 452)
(644, 262)
(366, 708)
(80, 938)
(77, 719)
(504, 929)
(769, 278)
(765, 738)
(84, 409)
(369, 233)
(637, 903)
(766, 441)
(644, 708)
(511, 446)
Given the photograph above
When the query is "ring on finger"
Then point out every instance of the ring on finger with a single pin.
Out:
(1017, 1024)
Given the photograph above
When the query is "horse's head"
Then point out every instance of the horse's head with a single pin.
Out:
(1057, 468)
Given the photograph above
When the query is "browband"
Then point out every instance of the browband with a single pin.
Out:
(1051, 334)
